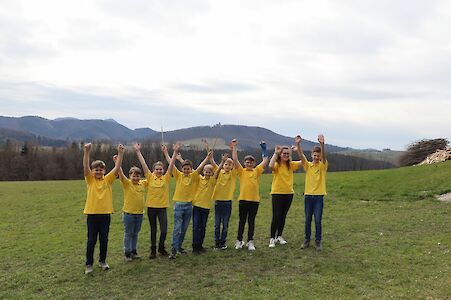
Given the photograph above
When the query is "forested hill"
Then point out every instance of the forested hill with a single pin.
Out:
(60, 131)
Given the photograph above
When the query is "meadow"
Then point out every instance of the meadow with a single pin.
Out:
(384, 235)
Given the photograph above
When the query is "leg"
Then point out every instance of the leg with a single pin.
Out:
(227, 213)
(218, 214)
(196, 227)
(152, 215)
(242, 214)
(128, 233)
(203, 225)
(253, 208)
(187, 213)
(163, 220)
(103, 236)
(286, 203)
(276, 214)
(93, 230)
(176, 233)
(308, 209)
(318, 212)
(136, 230)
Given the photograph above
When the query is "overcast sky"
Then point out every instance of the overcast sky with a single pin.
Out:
(365, 73)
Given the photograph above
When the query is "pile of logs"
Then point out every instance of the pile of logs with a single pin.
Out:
(436, 157)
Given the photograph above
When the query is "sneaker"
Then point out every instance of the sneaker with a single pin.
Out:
(128, 258)
(318, 245)
(163, 251)
(250, 245)
(217, 245)
(202, 249)
(281, 240)
(223, 246)
(88, 269)
(305, 244)
(104, 266)
(135, 255)
(239, 244)
(272, 243)
(182, 251)
(173, 255)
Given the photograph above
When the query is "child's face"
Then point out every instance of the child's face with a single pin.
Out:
(249, 164)
(158, 170)
(208, 172)
(135, 177)
(285, 155)
(228, 165)
(316, 157)
(98, 172)
(187, 169)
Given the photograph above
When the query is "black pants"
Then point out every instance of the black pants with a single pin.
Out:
(161, 214)
(248, 211)
(280, 205)
(98, 225)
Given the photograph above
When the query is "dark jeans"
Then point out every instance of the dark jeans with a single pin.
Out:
(248, 211)
(223, 210)
(313, 206)
(98, 225)
(152, 215)
(200, 218)
(280, 205)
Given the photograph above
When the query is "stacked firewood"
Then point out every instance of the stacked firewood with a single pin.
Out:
(419, 151)
(436, 157)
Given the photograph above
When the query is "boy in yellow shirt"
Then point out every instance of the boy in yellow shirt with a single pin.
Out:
(157, 185)
(249, 193)
(99, 204)
(315, 189)
(223, 196)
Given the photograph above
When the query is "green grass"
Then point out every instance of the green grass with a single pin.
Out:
(385, 236)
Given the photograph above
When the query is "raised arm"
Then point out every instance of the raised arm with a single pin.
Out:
(323, 149)
(86, 152)
(223, 159)
(141, 159)
(299, 150)
(120, 155)
(212, 160)
(233, 144)
(120, 172)
(180, 158)
(265, 158)
(272, 162)
(176, 148)
(204, 162)
(164, 149)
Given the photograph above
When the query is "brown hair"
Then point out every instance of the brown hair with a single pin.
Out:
(98, 163)
(279, 159)
(316, 149)
(187, 162)
(249, 157)
(135, 170)
(158, 163)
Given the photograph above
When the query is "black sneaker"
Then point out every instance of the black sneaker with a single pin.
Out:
(202, 249)
(223, 246)
(217, 245)
(182, 251)
(163, 251)
(135, 255)
(305, 244)
(318, 245)
(173, 255)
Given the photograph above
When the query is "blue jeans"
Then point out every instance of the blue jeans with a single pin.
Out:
(182, 216)
(223, 210)
(132, 226)
(313, 206)
(200, 218)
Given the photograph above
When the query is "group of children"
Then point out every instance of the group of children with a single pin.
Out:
(195, 193)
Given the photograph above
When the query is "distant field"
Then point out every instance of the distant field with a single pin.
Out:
(385, 236)
(389, 156)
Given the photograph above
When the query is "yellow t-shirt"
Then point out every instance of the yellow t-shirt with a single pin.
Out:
(225, 185)
(315, 178)
(185, 186)
(158, 190)
(204, 192)
(134, 196)
(282, 180)
(99, 198)
(250, 183)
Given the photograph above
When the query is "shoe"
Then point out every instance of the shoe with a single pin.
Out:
(128, 258)
(281, 240)
(104, 266)
(305, 244)
(202, 249)
(239, 244)
(217, 245)
(272, 243)
(173, 255)
(135, 255)
(88, 269)
(250, 245)
(223, 246)
(153, 252)
(318, 245)
(163, 251)
(182, 251)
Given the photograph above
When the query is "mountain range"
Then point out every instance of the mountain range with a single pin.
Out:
(63, 130)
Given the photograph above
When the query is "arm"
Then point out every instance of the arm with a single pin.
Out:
(323, 149)
(264, 154)
(86, 151)
(299, 150)
(235, 153)
(174, 155)
(180, 158)
(212, 161)
(141, 159)
(272, 162)
(223, 159)
(120, 172)
(120, 155)
(204, 162)
(165, 152)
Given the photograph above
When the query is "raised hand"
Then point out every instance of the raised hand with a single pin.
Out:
(278, 149)
(176, 147)
(298, 139)
(210, 154)
(224, 157)
(137, 147)
(321, 139)
(164, 148)
(294, 148)
(87, 147)
(234, 142)
(206, 146)
(115, 158)
(120, 148)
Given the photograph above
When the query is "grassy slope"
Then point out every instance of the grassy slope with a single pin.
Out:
(384, 236)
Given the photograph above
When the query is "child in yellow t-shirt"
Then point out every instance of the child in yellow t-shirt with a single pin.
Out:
(99, 204)
(282, 191)
(249, 197)
(157, 184)
(315, 189)
(223, 196)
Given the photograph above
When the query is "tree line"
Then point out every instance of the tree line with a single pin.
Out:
(28, 161)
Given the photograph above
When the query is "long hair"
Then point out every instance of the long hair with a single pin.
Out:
(279, 158)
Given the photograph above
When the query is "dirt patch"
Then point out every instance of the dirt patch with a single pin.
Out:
(445, 197)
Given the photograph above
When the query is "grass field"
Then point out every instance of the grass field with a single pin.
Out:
(384, 233)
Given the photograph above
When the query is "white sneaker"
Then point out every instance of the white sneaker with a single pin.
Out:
(104, 266)
(239, 244)
(250, 245)
(272, 243)
(281, 240)
(88, 269)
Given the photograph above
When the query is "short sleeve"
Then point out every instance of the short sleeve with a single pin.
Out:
(176, 173)
(326, 165)
(239, 170)
(167, 177)
(276, 167)
(295, 165)
(89, 178)
(110, 177)
(259, 169)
